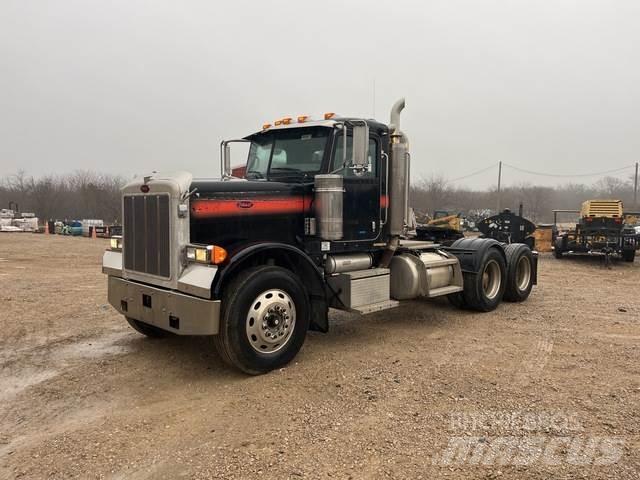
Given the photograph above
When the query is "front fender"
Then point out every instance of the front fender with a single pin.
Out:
(286, 256)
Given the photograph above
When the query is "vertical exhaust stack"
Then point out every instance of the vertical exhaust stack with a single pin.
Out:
(398, 182)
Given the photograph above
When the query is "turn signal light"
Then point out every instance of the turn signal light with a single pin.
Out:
(219, 255)
(329, 115)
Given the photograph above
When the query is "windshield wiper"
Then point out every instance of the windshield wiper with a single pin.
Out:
(284, 172)
(255, 174)
(287, 169)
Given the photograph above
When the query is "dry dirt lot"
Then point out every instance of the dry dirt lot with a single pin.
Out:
(545, 389)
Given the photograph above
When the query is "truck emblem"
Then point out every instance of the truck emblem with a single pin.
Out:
(245, 204)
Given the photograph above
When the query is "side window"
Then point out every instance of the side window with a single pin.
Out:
(338, 157)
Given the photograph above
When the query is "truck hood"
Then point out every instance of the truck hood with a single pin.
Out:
(217, 198)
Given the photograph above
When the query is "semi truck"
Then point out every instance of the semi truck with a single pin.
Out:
(318, 221)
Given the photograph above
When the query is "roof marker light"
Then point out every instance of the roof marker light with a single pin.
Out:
(286, 120)
(329, 115)
(266, 125)
(302, 118)
(277, 123)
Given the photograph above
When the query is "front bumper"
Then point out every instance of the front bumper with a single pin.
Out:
(167, 309)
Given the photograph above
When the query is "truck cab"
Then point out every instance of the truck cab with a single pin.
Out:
(317, 221)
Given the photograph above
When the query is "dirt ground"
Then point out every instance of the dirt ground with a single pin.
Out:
(549, 388)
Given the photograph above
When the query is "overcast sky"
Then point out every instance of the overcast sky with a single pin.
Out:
(132, 86)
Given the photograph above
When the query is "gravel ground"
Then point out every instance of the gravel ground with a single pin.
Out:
(549, 388)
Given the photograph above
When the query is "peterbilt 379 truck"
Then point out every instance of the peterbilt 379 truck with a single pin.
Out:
(318, 221)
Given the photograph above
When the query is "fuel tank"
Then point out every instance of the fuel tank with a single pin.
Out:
(233, 212)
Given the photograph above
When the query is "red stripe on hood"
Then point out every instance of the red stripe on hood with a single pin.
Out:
(207, 208)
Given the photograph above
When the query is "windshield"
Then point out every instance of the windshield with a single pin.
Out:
(297, 152)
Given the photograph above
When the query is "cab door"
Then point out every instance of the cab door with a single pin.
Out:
(361, 207)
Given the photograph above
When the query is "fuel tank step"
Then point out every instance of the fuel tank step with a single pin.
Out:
(376, 307)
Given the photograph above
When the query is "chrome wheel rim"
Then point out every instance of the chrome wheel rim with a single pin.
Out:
(523, 273)
(270, 321)
(491, 279)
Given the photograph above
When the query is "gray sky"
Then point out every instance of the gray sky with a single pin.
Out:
(130, 86)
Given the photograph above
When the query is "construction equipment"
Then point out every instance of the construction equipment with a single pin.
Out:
(508, 227)
(600, 231)
(319, 220)
(444, 228)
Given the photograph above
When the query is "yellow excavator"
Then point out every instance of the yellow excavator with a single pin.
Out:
(443, 228)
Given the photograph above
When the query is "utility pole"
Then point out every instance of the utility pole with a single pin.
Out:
(374, 98)
(499, 182)
(635, 189)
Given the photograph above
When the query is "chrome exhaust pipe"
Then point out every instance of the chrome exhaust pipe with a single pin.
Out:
(394, 124)
(398, 184)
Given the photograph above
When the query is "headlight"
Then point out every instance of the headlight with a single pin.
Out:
(116, 243)
(209, 254)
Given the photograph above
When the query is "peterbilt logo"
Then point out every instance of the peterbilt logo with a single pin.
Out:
(245, 204)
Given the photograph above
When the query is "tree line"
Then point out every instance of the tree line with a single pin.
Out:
(436, 193)
(74, 196)
(86, 194)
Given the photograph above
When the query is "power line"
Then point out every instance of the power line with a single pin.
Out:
(565, 175)
(478, 172)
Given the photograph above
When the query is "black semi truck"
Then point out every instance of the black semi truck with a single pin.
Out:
(318, 221)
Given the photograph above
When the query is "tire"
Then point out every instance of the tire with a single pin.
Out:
(457, 300)
(264, 321)
(629, 255)
(150, 331)
(557, 248)
(484, 290)
(519, 272)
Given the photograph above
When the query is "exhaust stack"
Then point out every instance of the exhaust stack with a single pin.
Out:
(398, 182)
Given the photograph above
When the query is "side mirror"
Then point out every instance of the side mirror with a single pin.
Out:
(225, 157)
(360, 156)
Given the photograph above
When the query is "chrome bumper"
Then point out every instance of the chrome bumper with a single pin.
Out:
(167, 309)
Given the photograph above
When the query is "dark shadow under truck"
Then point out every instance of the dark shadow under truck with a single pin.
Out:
(315, 224)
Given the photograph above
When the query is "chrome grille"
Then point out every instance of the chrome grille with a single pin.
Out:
(146, 234)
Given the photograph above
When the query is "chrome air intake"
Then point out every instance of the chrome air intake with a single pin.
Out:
(328, 201)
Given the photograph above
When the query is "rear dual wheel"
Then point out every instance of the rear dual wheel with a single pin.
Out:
(484, 290)
(509, 278)
(520, 272)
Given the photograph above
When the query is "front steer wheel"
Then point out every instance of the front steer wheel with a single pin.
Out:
(264, 321)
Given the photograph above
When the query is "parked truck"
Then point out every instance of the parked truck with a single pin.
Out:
(316, 223)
